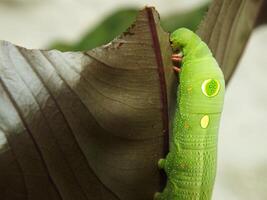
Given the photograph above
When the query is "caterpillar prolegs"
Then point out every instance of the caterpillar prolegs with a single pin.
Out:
(190, 165)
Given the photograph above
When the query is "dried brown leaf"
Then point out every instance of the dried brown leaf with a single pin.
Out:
(86, 125)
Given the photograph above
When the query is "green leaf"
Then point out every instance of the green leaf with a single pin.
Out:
(110, 28)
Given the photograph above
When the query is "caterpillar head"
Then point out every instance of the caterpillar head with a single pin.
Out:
(180, 38)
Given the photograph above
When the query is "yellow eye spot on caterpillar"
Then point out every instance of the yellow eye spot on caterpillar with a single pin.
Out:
(189, 89)
(204, 122)
(210, 87)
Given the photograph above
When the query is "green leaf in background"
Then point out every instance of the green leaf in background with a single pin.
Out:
(120, 20)
(110, 28)
(190, 19)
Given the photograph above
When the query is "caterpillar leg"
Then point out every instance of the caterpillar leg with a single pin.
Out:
(176, 69)
(176, 57)
(161, 163)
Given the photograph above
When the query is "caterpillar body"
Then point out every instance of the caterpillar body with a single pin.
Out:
(190, 165)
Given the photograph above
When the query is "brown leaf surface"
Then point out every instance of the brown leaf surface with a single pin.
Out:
(262, 17)
(86, 125)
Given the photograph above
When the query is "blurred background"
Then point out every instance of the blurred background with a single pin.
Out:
(72, 25)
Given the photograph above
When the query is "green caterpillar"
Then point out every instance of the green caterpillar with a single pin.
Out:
(191, 162)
